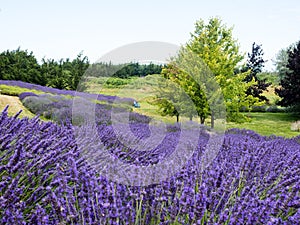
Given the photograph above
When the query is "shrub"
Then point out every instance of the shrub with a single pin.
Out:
(23, 95)
(274, 109)
(36, 104)
(261, 108)
(116, 82)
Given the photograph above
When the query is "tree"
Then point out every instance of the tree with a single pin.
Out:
(290, 83)
(78, 67)
(65, 74)
(255, 63)
(171, 98)
(55, 74)
(214, 44)
(20, 65)
(281, 61)
(191, 100)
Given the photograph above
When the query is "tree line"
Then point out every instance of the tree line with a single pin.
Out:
(126, 70)
(23, 66)
(64, 73)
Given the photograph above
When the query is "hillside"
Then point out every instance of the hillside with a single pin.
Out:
(15, 106)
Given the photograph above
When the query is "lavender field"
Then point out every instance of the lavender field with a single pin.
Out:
(47, 177)
(150, 113)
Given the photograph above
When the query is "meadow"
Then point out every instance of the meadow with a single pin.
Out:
(53, 171)
(267, 122)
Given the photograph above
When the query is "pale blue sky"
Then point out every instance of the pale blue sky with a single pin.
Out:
(61, 29)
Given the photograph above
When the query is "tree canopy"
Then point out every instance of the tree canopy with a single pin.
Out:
(213, 45)
(255, 63)
(20, 65)
(290, 83)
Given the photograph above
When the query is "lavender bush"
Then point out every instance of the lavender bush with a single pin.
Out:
(45, 178)
(59, 108)
(23, 95)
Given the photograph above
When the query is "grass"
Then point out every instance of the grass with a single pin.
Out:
(141, 89)
(269, 124)
(15, 91)
(15, 105)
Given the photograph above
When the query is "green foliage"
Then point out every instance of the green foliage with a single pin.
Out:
(20, 65)
(65, 74)
(281, 61)
(260, 108)
(290, 83)
(214, 44)
(102, 69)
(169, 99)
(185, 70)
(275, 109)
(255, 63)
(15, 90)
(23, 66)
(116, 82)
(269, 77)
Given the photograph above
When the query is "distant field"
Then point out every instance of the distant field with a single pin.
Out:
(143, 89)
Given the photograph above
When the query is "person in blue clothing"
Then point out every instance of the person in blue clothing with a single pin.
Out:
(136, 104)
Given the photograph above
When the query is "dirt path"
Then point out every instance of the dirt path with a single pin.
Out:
(15, 105)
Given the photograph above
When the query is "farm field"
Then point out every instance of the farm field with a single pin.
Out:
(130, 113)
(48, 177)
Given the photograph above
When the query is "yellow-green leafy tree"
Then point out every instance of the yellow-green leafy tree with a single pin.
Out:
(214, 44)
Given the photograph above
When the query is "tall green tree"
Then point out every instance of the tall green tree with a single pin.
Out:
(77, 69)
(255, 64)
(214, 44)
(65, 74)
(55, 74)
(290, 83)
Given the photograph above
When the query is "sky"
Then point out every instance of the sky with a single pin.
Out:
(62, 29)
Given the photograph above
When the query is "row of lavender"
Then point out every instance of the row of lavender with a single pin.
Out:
(45, 179)
(60, 109)
(55, 91)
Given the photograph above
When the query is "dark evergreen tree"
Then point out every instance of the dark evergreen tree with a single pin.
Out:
(77, 69)
(255, 63)
(20, 65)
(290, 83)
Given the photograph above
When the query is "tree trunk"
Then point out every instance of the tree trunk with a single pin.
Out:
(202, 119)
(212, 120)
(177, 118)
(191, 118)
